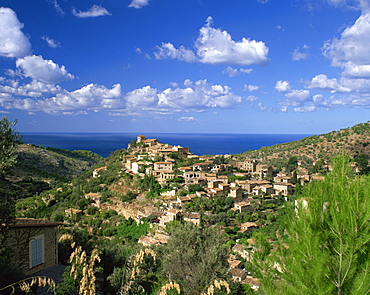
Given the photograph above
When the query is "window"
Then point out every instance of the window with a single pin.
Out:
(36, 250)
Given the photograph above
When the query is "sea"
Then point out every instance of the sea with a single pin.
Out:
(198, 143)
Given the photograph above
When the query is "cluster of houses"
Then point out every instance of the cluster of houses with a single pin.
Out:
(149, 156)
(209, 174)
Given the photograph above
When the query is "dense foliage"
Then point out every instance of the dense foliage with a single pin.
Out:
(326, 248)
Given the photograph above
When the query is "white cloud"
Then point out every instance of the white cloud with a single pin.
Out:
(322, 82)
(232, 72)
(89, 97)
(298, 95)
(299, 54)
(187, 119)
(193, 96)
(350, 4)
(33, 89)
(356, 71)
(168, 51)
(174, 84)
(51, 42)
(199, 95)
(282, 86)
(351, 50)
(57, 7)
(360, 85)
(94, 11)
(43, 70)
(251, 88)
(138, 3)
(251, 99)
(261, 106)
(13, 43)
(214, 46)
(305, 109)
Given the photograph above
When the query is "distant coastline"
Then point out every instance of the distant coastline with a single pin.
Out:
(199, 143)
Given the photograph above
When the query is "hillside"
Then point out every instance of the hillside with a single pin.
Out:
(38, 168)
(353, 141)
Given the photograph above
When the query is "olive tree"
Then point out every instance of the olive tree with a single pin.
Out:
(194, 257)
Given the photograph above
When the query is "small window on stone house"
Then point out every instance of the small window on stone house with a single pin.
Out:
(36, 250)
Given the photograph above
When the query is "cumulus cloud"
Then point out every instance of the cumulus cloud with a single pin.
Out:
(51, 42)
(13, 43)
(215, 46)
(251, 88)
(232, 72)
(168, 51)
(296, 98)
(33, 89)
(282, 86)
(299, 54)
(43, 70)
(351, 50)
(94, 11)
(322, 82)
(138, 3)
(192, 96)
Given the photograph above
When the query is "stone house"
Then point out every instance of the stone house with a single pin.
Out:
(97, 170)
(163, 176)
(248, 227)
(136, 166)
(151, 141)
(249, 185)
(95, 198)
(238, 274)
(168, 216)
(236, 193)
(266, 189)
(201, 167)
(73, 213)
(192, 217)
(194, 177)
(184, 169)
(283, 188)
(167, 166)
(246, 165)
(182, 151)
(243, 206)
(34, 244)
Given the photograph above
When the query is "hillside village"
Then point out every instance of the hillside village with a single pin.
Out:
(217, 176)
(138, 196)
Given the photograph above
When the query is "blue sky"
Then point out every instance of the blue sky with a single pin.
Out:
(213, 66)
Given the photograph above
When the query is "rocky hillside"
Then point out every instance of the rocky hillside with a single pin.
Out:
(353, 141)
(51, 163)
(38, 169)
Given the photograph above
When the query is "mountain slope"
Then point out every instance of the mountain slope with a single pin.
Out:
(353, 141)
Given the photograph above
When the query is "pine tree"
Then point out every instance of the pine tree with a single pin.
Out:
(327, 246)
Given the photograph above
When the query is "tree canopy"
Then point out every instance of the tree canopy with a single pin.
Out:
(195, 257)
(9, 139)
(326, 248)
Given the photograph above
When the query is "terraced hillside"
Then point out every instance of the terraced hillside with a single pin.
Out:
(353, 141)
